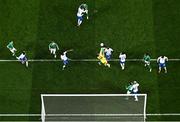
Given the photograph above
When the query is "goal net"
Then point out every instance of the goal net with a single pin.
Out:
(93, 107)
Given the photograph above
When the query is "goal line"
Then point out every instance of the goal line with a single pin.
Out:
(79, 60)
(108, 115)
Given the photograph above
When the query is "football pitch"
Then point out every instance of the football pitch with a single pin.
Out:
(132, 26)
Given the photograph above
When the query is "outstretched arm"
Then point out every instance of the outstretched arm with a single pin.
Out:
(70, 50)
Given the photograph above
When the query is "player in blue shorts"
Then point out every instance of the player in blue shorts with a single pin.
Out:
(122, 57)
(108, 52)
(162, 63)
(23, 59)
(65, 59)
(82, 10)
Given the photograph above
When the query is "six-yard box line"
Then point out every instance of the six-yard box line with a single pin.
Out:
(81, 60)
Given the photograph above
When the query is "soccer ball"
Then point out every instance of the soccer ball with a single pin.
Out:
(102, 44)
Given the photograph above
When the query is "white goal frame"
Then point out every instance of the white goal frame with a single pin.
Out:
(43, 111)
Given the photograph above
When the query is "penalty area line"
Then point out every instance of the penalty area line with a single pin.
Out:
(80, 60)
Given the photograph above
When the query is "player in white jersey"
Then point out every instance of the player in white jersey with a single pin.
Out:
(162, 63)
(108, 52)
(23, 58)
(135, 89)
(82, 10)
(122, 58)
(65, 59)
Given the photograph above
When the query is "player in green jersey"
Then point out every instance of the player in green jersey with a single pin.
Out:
(53, 47)
(10, 46)
(147, 61)
(129, 88)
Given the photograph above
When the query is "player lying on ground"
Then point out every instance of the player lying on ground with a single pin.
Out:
(122, 57)
(108, 52)
(162, 63)
(65, 59)
(132, 88)
(82, 10)
(52, 48)
(147, 61)
(23, 58)
(10, 46)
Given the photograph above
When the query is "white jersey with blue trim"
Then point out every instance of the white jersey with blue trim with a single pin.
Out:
(81, 12)
(108, 51)
(64, 57)
(135, 87)
(162, 60)
(122, 57)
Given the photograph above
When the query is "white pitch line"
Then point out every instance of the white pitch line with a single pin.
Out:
(78, 60)
(87, 115)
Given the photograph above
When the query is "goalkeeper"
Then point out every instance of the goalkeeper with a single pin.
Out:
(147, 61)
(82, 10)
(101, 56)
(103, 60)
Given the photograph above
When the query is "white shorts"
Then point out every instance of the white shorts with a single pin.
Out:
(13, 50)
(147, 62)
(53, 51)
(128, 92)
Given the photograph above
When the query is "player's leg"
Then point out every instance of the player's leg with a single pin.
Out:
(105, 62)
(22, 61)
(108, 65)
(54, 52)
(80, 19)
(145, 63)
(51, 50)
(160, 68)
(26, 61)
(122, 65)
(108, 57)
(149, 66)
(135, 96)
(128, 92)
(65, 62)
(99, 62)
(27, 64)
(13, 50)
(165, 69)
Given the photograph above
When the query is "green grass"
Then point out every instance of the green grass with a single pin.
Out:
(133, 26)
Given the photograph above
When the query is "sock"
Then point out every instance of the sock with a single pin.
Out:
(64, 66)
(26, 63)
(136, 98)
(79, 22)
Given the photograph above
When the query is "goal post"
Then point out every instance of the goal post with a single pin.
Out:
(93, 107)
